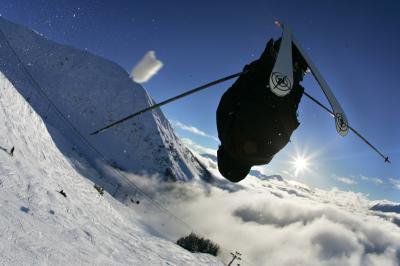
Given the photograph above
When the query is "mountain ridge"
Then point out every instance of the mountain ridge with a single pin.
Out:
(92, 91)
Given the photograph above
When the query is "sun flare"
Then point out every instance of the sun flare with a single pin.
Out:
(300, 164)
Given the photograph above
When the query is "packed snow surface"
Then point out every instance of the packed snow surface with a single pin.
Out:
(39, 226)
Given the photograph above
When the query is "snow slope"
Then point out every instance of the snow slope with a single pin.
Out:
(91, 92)
(38, 226)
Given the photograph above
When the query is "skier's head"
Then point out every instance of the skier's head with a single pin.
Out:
(230, 168)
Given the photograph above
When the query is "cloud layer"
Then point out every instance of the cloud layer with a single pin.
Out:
(281, 222)
(193, 130)
(274, 221)
(375, 180)
(148, 66)
(346, 180)
(395, 183)
(198, 149)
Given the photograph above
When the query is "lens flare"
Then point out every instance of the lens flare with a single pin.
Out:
(300, 164)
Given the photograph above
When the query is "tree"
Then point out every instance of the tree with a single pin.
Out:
(197, 244)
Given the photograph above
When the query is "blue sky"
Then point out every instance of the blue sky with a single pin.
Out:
(353, 43)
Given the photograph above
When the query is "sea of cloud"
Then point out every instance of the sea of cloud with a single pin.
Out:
(279, 222)
(275, 221)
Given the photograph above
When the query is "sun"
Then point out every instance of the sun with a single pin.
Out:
(302, 160)
(300, 164)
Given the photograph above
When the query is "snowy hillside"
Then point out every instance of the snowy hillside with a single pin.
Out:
(38, 226)
(90, 92)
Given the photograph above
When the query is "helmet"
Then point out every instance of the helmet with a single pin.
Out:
(231, 168)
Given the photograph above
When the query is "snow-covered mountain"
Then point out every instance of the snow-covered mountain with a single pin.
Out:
(39, 226)
(386, 206)
(90, 92)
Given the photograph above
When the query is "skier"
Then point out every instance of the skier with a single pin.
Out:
(62, 193)
(258, 114)
(11, 152)
(253, 123)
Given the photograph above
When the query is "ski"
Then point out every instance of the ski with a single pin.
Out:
(281, 78)
(341, 122)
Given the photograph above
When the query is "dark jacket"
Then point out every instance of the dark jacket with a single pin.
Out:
(253, 123)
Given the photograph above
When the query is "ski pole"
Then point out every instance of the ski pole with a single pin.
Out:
(386, 158)
(169, 101)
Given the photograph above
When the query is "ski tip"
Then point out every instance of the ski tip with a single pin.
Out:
(278, 23)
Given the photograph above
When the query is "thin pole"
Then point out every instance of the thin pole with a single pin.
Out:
(386, 158)
(235, 256)
(168, 101)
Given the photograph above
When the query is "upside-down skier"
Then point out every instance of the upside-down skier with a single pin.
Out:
(258, 113)
(253, 123)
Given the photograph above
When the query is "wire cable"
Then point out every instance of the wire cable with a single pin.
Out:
(38, 88)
